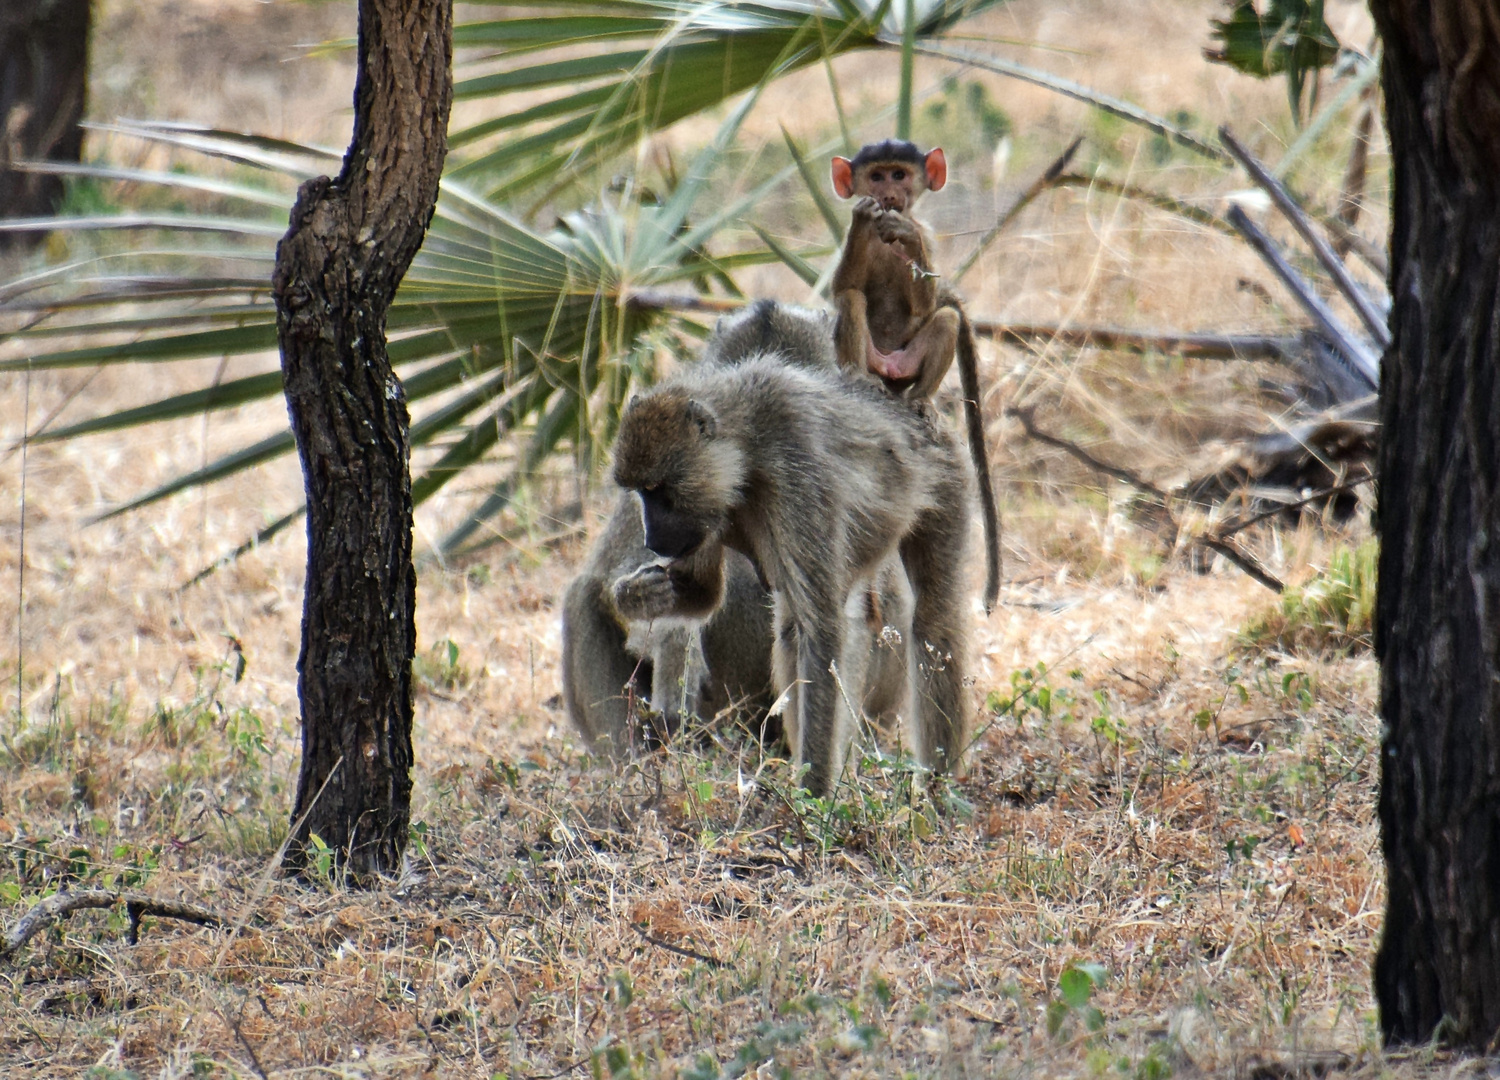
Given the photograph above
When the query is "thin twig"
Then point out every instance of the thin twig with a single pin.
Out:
(1039, 185)
(62, 904)
(564, 1071)
(1358, 299)
(1219, 544)
(691, 954)
(1228, 529)
(234, 1025)
(1027, 418)
(1353, 347)
(21, 558)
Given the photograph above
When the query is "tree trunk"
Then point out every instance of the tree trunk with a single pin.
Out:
(350, 242)
(1438, 615)
(44, 62)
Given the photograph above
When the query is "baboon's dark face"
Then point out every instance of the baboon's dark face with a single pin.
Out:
(669, 532)
(670, 454)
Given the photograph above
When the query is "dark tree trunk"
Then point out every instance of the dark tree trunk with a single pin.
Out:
(44, 63)
(349, 244)
(1438, 616)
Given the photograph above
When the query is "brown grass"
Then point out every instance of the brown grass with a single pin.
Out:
(1198, 825)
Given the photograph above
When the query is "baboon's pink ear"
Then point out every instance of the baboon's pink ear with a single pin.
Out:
(843, 177)
(937, 169)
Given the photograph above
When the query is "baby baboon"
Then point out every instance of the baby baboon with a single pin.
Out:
(628, 618)
(896, 320)
(819, 479)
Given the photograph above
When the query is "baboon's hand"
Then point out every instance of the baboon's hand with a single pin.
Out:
(646, 593)
(893, 227)
(866, 210)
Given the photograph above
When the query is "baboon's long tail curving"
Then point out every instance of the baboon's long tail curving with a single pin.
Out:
(968, 374)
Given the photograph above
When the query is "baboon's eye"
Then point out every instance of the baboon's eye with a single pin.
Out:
(898, 174)
(877, 176)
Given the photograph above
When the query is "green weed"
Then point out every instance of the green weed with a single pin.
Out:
(1334, 612)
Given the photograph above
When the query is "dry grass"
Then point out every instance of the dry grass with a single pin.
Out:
(1198, 825)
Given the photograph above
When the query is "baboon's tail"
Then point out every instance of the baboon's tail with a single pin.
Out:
(968, 374)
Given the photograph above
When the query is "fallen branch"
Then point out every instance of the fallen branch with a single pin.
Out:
(137, 905)
(1358, 299)
(1229, 528)
(1244, 560)
(1192, 345)
(1216, 542)
(1353, 347)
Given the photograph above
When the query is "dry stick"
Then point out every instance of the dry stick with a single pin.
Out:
(1229, 528)
(1195, 346)
(21, 560)
(1365, 361)
(137, 905)
(1374, 322)
(1220, 544)
(255, 1064)
(1373, 257)
(264, 884)
(1027, 416)
(1243, 560)
(702, 958)
(1041, 184)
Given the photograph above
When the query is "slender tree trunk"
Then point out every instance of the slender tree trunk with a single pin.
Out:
(44, 63)
(1438, 615)
(350, 242)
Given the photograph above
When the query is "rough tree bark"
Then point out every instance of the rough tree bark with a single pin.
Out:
(44, 63)
(350, 242)
(1438, 614)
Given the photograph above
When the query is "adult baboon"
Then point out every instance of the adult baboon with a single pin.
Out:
(631, 622)
(818, 477)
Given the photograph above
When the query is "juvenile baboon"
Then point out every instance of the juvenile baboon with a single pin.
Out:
(624, 633)
(895, 318)
(631, 622)
(818, 478)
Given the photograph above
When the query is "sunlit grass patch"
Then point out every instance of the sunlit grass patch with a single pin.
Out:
(1334, 611)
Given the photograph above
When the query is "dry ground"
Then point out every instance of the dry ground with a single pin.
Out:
(1163, 858)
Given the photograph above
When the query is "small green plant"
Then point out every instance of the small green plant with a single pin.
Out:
(1032, 696)
(884, 804)
(1076, 986)
(319, 860)
(965, 119)
(1334, 612)
(439, 669)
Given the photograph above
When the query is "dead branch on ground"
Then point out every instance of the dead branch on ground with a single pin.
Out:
(137, 905)
(1358, 299)
(1215, 541)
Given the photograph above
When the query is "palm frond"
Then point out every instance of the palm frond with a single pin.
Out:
(651, 63)
(497, 327)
